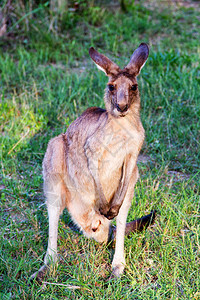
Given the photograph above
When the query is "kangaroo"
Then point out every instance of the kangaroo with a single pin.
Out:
(91, 169)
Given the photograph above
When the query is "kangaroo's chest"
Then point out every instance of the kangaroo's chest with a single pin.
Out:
(117, 143)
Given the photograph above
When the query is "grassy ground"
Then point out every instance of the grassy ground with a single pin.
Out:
(46, 81)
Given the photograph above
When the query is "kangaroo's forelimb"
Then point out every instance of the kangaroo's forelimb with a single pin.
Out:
(117, 200)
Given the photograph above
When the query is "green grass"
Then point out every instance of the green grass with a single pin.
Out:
(46, 81)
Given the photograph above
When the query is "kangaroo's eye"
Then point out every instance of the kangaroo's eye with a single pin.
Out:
(134, 87)
(111, 87)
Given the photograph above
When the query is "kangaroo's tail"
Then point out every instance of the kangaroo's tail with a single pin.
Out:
(138, 224)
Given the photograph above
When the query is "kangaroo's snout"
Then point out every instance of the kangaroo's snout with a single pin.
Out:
(121, 101)
(122, 107)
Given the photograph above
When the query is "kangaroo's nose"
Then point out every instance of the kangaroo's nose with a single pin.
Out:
(122, 107)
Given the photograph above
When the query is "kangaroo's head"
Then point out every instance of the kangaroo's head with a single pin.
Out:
(122, 89)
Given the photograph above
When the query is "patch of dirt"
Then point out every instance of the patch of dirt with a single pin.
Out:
(179, 176)
(174, 176)
(170, 3)
(186, 3)
(79, 67)
(143, 159)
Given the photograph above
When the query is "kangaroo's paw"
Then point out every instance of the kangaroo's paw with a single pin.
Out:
(113, 212)
(118, 270)
(104, 209)
(39, 275)
(118, 266)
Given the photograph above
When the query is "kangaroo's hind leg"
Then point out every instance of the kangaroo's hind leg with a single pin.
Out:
(118, 262)
(56, 194)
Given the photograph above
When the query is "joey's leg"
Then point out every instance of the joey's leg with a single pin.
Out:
(118, 262)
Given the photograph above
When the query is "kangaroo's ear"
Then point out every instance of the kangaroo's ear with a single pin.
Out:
(103, 63)
(138, 60)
